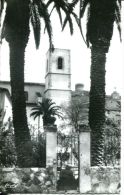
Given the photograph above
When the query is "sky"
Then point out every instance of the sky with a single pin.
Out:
(80, 58)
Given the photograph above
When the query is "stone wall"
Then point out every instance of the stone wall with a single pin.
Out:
(105, 179)
(27, 180)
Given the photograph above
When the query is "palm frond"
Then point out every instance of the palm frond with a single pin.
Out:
(83, 5)
(76, 18)
(59, 13)
(63, 4)
(49, 2)
(66, 8)
(56, 112)
(49, 103)
(70, 12)
(64, 23)
(87, 34)
(43, 11)
(34, 114)
(1, 6)
(74, 3)
(55, 107)
(36, 24)
(37, 110)
(69, 20)
(59, 115)
(118, 12)
(118, 18)
(78, 21)
(59, 5)
(118, 26)
(1, 11)
(52, 10)
(119, 2)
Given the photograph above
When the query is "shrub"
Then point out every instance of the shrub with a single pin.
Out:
(8, 157)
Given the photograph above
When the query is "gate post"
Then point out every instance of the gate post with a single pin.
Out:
(84, 159)
(51, 150)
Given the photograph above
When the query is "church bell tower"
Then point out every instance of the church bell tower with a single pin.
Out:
(58, 76)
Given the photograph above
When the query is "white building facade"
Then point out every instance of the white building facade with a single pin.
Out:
(58, 76)
(57, 84)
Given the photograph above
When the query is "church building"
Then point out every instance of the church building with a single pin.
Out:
(57, 87)
(57, 84)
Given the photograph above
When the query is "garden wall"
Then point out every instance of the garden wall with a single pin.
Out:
(105, 179)
(27, 180)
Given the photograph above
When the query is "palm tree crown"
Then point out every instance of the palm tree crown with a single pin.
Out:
(48, 110)
(101, 16)
(37, 10)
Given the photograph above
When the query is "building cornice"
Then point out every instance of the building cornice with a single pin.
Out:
(26, 83)
(48, 51)
(68, 74)
(57, 90)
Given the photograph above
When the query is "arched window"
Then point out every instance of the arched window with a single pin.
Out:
(60, 63)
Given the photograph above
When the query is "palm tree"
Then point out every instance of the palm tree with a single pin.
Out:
(48, 110)
(100, 22)
(16, 32)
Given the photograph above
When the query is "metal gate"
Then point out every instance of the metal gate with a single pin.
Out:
(67, 161)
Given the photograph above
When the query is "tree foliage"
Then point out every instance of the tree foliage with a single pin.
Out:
(48, 109)
(112, 138)
(76, 112)
(64, 144)
(8, 156)
(100, 16)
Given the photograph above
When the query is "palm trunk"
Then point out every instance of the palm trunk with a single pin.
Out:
(22, 134)
(97, 104)
(16, 34)
(21, 130)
